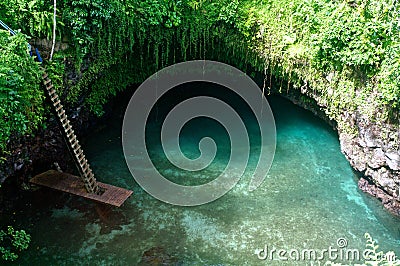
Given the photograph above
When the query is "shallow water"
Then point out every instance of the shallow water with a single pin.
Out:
(309, 200)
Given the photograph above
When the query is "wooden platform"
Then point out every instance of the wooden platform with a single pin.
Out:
(112, 195)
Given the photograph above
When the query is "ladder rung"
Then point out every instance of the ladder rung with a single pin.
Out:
(91, 181)
(66, 124)
(52, 92)
(92, 189)
(93, 185)
(85, 167)
(63, 117)
(70, 134)
(77, 147)
(44, 76)
(57, 103)
(72, 138)
(54, 97)
(50, 87)
(91, 176)
(47, 81)
(74, 144)
(68, 128)
(59, 107)
(78, 154)
(61, 113)
(88, 174)
(84, 163)
(81, 159)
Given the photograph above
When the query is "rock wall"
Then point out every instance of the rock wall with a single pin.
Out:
(375, 153)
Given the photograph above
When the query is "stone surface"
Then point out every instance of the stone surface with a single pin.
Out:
(393, 160)
(378, 158)
(389, 202)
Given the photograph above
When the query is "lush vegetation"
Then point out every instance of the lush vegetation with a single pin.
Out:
(21, 107)
(12, 242)
(344, 53)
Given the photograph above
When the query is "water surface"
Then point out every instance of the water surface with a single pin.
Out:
(308, 200)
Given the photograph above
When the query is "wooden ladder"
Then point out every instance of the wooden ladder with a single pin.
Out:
(81, 162)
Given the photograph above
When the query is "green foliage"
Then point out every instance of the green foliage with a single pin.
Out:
(33, 17)
(13, 241)
(228, 13)
(345, 52)
(390, 78)
(161, 12)
(21, 97)
(355, 36)
(56, 69)
(85, 19)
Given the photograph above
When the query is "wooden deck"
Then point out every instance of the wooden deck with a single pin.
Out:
(112, 195)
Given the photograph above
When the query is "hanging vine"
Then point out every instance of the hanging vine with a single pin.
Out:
(299, 43)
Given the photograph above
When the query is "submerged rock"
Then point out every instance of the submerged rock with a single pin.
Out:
(388, 201)
(158, 256)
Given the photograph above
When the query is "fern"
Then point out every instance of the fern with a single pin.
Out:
(372, 255)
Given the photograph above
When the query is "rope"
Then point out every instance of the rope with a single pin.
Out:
(7, 28)
(54, 29)
(4, 25)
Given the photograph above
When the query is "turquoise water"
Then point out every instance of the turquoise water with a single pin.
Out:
(309, 200)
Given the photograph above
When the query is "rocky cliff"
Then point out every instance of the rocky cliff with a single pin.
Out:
(375, 153)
